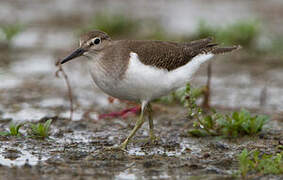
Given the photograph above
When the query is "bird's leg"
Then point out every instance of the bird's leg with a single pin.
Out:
(139, 123)
(152, 136)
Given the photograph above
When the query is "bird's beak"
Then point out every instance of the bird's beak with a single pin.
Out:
(78, 52)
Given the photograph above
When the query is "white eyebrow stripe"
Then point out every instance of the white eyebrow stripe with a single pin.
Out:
(89, 41)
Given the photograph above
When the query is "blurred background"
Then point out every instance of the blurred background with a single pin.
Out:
(34, 34)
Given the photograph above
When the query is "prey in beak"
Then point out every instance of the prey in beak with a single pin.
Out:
(78, 52)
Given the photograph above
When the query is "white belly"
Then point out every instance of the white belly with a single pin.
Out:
(144, 83)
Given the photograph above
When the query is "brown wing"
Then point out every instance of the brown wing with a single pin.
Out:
(171, 55)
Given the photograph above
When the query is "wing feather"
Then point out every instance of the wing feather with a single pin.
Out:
(171, 55)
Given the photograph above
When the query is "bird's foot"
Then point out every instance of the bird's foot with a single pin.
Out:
(121, 147)
(154, 139)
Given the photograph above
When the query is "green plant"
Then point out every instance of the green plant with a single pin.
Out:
(241, 123)
(40, 130)
(204, 30)
(13, 130)
(228, 125)
(113, 24)
(189, 99)
(9, 31)
(254, 161)
(243, 32)
(244, 163)
(180, 95)
(4, 133)
(212, 124)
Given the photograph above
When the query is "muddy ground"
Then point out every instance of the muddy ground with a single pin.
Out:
(75, 150)
(30, 92)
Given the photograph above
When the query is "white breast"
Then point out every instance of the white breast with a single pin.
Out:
(145, 82)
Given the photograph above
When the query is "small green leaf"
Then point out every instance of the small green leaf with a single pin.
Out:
(14, 129)
(47, 124)
(197, 133)
(4, 133)
(208, 122)
(40, 130)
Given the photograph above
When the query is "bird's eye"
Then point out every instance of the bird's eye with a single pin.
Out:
(95, 41)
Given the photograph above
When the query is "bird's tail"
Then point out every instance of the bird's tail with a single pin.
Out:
(222, 50)
(205, 46)
(200, 51)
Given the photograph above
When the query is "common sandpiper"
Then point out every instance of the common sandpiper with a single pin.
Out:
(142, 70)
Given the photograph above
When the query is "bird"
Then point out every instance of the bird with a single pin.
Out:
(142, 70)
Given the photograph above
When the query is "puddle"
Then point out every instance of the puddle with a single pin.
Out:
(52, 102)
(27, 114)
(25, 158)
(9, 81)
(126, 176)
(33, 65)
(77, 115)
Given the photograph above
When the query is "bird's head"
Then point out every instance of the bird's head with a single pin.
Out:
(91, 43)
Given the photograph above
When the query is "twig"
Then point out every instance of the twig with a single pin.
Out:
(263, 96)
(206, 101)
(68, 87)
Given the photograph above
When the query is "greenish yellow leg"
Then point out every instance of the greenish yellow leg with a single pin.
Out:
(139, 123)
(152, 136)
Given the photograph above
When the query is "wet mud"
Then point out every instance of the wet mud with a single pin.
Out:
(77, 150)
(30, 92)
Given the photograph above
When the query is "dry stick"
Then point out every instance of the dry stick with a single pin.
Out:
(68, 87)
(263, 96)
(206, 101)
